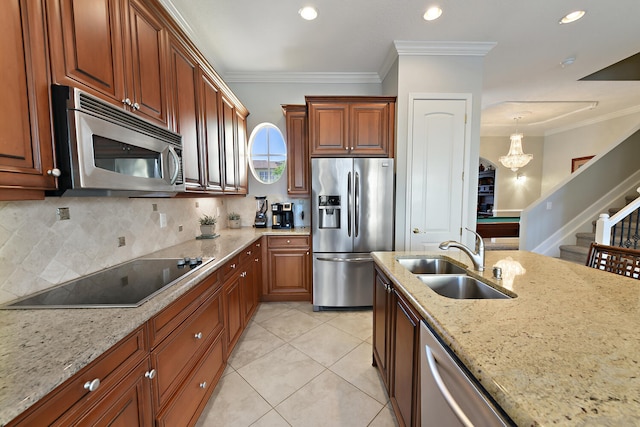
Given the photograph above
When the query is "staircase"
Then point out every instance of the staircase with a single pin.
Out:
(578, 253)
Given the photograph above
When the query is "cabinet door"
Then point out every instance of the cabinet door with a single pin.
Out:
(297, 150)
(184, 117)
(127, 405)
(26, 150)
(369, 125)
(288, 277)
(229, 143)
(148, 69)
(328, 129)
(381, 324)
(210, 132)
(233, 311)
(86, 45)
(241, 147)
(405, 378)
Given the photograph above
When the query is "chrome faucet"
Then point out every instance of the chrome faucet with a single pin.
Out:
(477, 257)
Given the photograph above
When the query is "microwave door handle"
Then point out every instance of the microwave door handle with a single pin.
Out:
(349, 204)
(176, 160)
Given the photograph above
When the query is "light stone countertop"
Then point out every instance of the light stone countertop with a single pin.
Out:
(565, 351)
(40, 349)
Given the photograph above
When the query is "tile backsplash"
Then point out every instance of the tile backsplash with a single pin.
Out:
(39, 250)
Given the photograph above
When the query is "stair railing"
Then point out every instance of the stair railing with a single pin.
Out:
(622, 228)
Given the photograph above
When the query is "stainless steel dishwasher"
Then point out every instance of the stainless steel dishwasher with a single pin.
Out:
(449, 397)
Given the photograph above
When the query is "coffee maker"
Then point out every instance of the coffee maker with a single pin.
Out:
(282, 215)
(262, 205)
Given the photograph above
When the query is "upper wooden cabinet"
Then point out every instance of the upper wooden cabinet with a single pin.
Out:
(26, 153)
(116, 49)
(297, 150)
(351, 126)
(234, 137)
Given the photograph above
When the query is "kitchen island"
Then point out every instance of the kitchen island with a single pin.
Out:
(42, 348)
(563, 351)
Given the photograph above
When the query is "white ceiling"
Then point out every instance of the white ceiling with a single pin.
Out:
(353, 41)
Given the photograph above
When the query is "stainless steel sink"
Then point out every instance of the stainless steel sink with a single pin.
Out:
(461, 287)
(420, 265)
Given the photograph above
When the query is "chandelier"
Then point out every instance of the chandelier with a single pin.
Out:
(515, 158)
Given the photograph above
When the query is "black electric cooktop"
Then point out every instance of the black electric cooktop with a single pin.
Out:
(125, 285)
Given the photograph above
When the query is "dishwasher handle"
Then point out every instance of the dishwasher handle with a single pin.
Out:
(445, 391)
(338, 259)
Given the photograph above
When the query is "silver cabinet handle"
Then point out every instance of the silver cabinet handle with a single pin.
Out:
(445, 391)
(92, 385)
(54, 172)
(198, 336)
(203, 384)
(150, 374)
(338, 259)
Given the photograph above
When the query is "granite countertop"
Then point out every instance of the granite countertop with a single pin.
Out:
(565, 351)
(40, 349)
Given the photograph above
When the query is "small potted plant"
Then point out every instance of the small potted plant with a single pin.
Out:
(208, 225)
(234, 220)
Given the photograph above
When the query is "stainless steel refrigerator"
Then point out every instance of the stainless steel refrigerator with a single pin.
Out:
(352, 204)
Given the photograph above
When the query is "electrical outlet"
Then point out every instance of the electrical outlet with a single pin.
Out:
(154, 207)
(121, 241)
(63, 213)
(197, 204)
(179, 228)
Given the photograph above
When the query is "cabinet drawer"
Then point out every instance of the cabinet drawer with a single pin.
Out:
(174, 357)
(247, 253)
(165, 322)
(72, 396)
(288, 241)
(187, 406)
(231, 267)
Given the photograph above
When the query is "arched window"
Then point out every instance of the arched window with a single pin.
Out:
(267, 153)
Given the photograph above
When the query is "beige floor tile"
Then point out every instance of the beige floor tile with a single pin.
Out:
(320, 315)
(280, 373)
(329, 400)
(268, 310)
(233, 403)
(385, 418)
(271, 419)
(290, 324)
(356, 368)
(357, 323)
(326, 344)
(255, 342)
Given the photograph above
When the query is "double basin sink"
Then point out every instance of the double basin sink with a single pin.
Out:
(449, 280)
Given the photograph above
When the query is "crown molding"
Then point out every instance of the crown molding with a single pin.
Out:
(301, 77)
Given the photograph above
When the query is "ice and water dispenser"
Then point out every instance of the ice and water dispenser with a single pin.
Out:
(329, 212)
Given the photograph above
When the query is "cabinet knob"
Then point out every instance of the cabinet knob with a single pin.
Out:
(352, 148)
(258, 245)
(126, 101)
(256, 260)
(307, 252)
(203, 384)
(416, 231)
(198, 336)
(136, 106)
(346, 148)
(150, 374)
(248, 252)
(54, 172)
(92, 385)
(233, 265)
(288, 241)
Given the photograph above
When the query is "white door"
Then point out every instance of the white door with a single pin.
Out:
(436, 162)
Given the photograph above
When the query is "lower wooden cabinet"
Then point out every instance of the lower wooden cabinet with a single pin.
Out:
(396, 335)
(233, 315)
(288, 269)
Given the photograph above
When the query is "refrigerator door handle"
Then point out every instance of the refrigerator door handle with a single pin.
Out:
(349, 204)
(357, 203)
(337, 259)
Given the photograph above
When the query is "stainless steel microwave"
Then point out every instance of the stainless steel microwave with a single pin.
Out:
(102, 150)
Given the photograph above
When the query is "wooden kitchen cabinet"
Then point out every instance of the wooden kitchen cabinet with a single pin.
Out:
(251, 266)
(119, 371)
(210, 100)
(288, 269)
(26, 150)
(297, 150)
(115, 49)
(351, 126)
(396, 335)
(234, 131)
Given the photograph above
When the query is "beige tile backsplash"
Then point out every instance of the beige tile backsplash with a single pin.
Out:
(37, 250)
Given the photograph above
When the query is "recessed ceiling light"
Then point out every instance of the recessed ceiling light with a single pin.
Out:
(432, 13)
(309, 13)
(572, 17)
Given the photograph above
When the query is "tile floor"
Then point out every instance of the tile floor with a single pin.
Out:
(296, 367)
